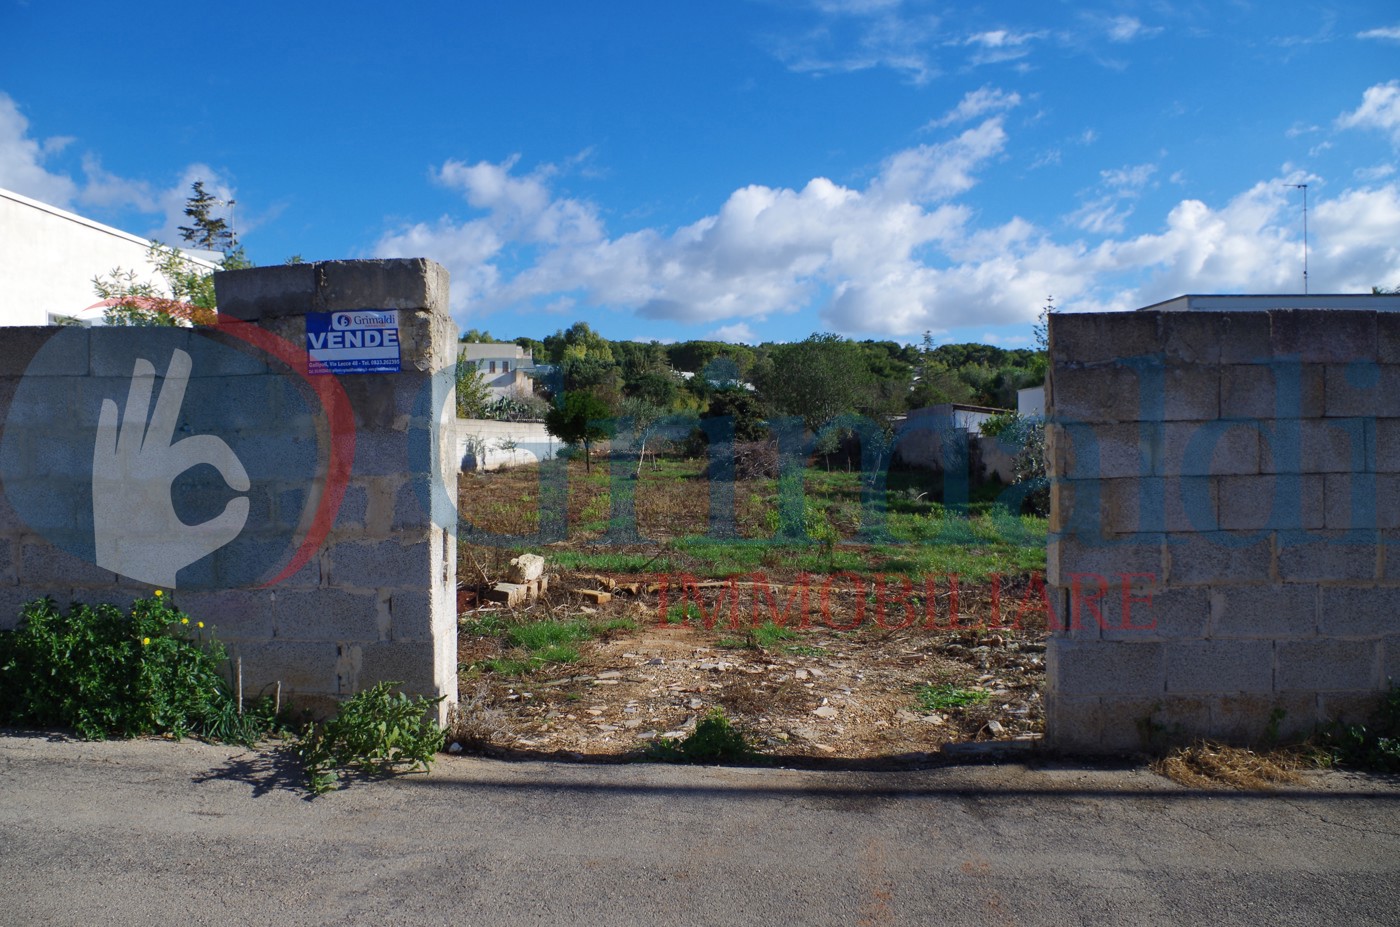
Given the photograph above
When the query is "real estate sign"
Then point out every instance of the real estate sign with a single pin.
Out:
(362, 341)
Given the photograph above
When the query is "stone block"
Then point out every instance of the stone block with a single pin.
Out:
(43, 565)
(394, 283)
(1245, 337)
(1388, 337)
(1118, 668)
(22, 343)
(1328, 556)
(1348, 708)
(1190, 393)
(511, 595)
(1328, 336)
(312, 667)
(1390, 659)
(1085, 338)
(114, 351)
(1156, 614)
(1073, 725)
(524, 568)
(411, 664)
(412, 502)
(1264, 612)
(1363, 389)
(1216, 667)
(412, 616)
(1190, 337)
(259, 293)
(1276, 501)
(1327, 666)
(329, 615)
(596, 596)
(1133, 724)
(1281, 390)
(242, 614)
(1248, 719)
(1318, 446)
(381, 564)
(1359, 611)
(1068, 556)
(1218, 558)
(9, 576)
(1362, 501)
(1101, 451)
(1095, 395)
(1210, 448)
(1386, 457)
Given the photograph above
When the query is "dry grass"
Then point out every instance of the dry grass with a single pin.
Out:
(1207, 765)
(475, 723)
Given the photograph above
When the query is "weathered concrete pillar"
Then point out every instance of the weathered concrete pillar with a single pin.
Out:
(377, 600)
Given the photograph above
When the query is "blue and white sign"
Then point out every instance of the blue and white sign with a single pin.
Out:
(362, 341)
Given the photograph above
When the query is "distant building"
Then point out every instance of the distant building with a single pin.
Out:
(49, 257)
(1260, 302)
(507, 368)
(1030, 402)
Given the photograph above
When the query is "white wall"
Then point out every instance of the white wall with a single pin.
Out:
(48, 258)
(533, 439)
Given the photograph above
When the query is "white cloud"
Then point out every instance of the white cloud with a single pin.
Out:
(1375, 172)
(738, 333)
(1385, 33)
(978, 103)
(859, 35)
(1379, 109)
(22, 160)
(1127, 28)
(1110, 205)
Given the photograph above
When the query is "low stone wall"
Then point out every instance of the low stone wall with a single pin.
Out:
(1225, 515)
(479, 443)
(294, 514)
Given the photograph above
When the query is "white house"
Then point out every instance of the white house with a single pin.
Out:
(49, 257)
(506, 368)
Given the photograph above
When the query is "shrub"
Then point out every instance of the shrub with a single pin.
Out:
(106, 673)
(376, 733)
(714, 740)
(1375, 746)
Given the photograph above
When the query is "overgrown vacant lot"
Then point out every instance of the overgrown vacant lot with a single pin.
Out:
(865, 635)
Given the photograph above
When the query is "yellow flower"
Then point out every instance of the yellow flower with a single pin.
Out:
(201, 624)
(159, 593)
(184, 621)
(145, 642)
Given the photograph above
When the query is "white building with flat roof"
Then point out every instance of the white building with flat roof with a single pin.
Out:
(49, 257)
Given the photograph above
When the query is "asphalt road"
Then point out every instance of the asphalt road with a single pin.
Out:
(153, 833)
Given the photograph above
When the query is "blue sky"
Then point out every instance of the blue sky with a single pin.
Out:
(740, 169)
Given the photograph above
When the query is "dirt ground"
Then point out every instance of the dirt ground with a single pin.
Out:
(818, 695)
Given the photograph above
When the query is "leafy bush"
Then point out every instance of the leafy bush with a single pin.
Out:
(1375, 746)
(105, 673)
(376, 733)
(714, 740)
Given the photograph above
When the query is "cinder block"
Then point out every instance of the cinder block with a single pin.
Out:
(219, 354)
(1363, 389)
(1095, 395)
(8, 575)
(1157, 615)
(409, 663)
(1264, 612)
(1245, 338)
(1283, 501)
(1388, 337)
(382, 453)
(311, 667)
(1327, 666)
(1133, 724)
(113, 351)
(1220, 667)
(243, 614)
(412, 616)
(350, 519)
(44, 565)
(511, 595)
(1390, 660)
(412, 502)
(1330, 336)
(1082, 338)
(1190, 337)
(1348, 708)
(327, 615)
(1328, 556)
(1363, 501)
(1191, 393)
(1218, 558)
(1134, 554)
(1280, 390)
(395, 283)
(1210, 448)
(259, 293)
(1317, 446)
(1102, 451)
(68, 358)
(381, 564)
(1118, 668)
(1386, 458)
(1252, 719)
(1360, 611)
(1073, 725)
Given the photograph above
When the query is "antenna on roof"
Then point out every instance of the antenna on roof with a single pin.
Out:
(1304, 188)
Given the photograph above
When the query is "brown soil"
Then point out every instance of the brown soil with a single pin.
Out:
(823, 696)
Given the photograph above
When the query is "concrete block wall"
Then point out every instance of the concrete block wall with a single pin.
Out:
(376, 599)
(1224, 557)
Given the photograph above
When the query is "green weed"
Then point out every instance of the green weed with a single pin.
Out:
(714, 740)
(945, 696)
(377, 733)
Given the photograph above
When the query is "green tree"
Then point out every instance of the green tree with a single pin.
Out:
(473, 395)
(582, 418)
(206, 230)
(190, 300)
(818, 379)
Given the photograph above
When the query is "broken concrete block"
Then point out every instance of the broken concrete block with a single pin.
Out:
(596, 595)
(512, 594)
(525, 568)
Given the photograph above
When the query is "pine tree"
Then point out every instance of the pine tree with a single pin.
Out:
(207, 231)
